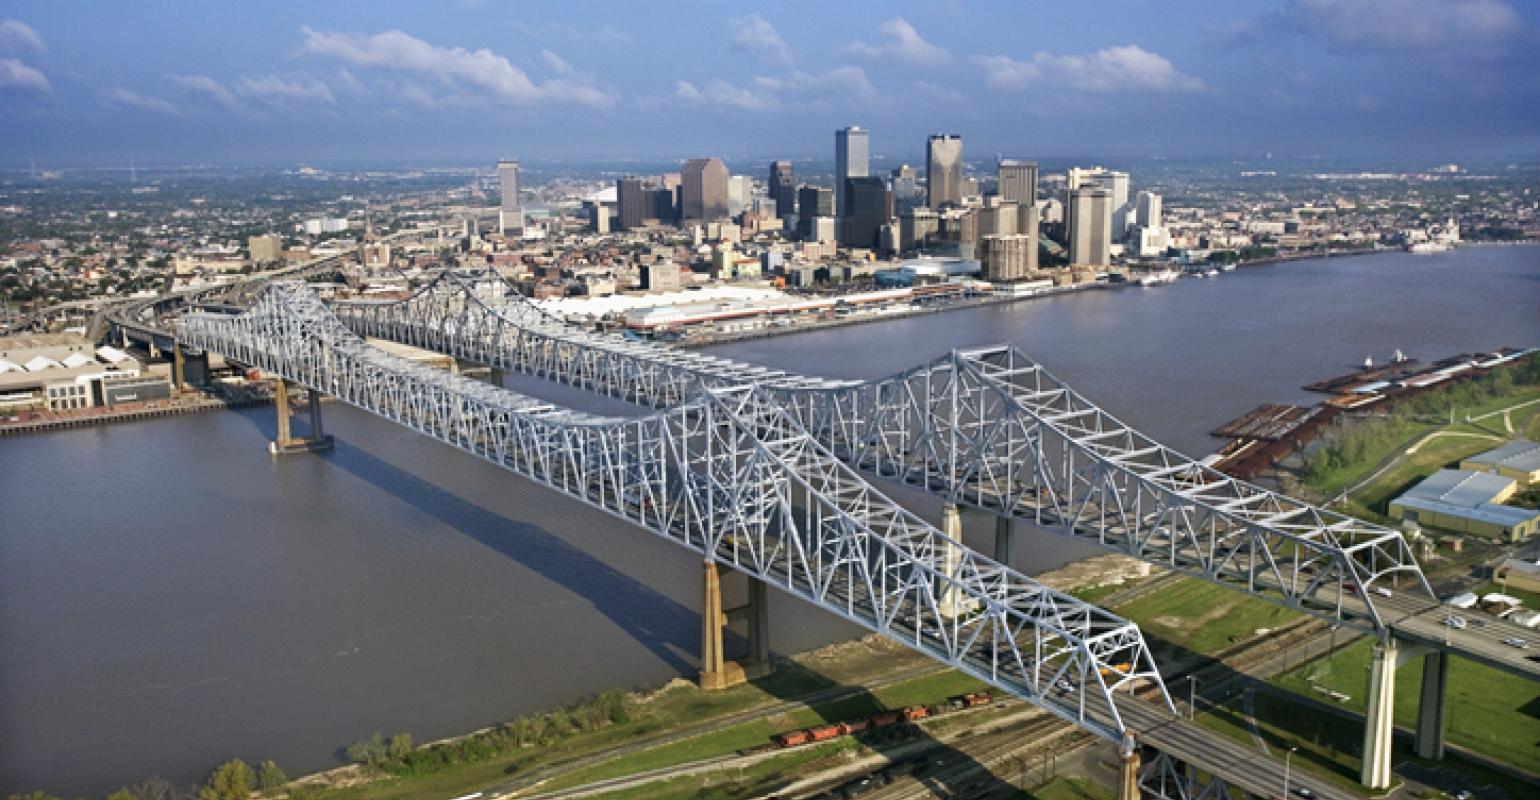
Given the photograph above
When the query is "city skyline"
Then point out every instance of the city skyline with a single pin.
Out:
(293, 83)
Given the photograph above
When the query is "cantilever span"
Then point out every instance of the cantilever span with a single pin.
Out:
(987, 427)
(730, 474)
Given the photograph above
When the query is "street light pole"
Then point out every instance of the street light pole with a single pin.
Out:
(1192, 697)
(1286, 759)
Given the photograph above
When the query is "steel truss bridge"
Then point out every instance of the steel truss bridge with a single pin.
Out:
(732, 475)
(984, 427)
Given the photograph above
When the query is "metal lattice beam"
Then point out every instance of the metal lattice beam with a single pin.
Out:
(730, 474)
(987, 427)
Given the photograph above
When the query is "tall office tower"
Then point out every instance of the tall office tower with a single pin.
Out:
(510, 215)
(783, 190)
(1027, 225)
(812, 203)
(906, 187)
(917, 228)
(852, 149)
(1018, 180)
(740, 194)
(660, 205)
(703, 185)
(1116, 184)
(868, 206)
(1090, 227)
(999, 217)
(1007, 257)
(943, 170)
(1148, 215)
(630, 202)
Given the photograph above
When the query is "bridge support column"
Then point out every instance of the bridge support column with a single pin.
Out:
(287, 442)
(1128, 770)
(1430, 709)
(952, 603)
(1380, 718)
(1004, 533)
(713, 672)
(178, 367)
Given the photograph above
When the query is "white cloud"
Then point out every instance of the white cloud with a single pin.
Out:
(764, 93)
(756, 35)
(1112, 69)
(210, 88)
(1402, 24)
(555, 63)
(16, 35)
(19, 76)
(277, 89)
(899, 40)
(132, 99)
(479, 72)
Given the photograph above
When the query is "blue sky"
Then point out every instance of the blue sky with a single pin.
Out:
(391, 82)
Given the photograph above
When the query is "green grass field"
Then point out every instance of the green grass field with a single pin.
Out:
(1203, 617)
(1489, 711)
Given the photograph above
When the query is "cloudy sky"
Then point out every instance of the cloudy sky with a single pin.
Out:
(279, 81)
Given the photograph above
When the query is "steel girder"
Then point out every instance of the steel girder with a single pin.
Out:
(730, 474)
(1167, 778)
(986, 427)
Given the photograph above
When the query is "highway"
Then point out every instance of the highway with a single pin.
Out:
(1481, 640)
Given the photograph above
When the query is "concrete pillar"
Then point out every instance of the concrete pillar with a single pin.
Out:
(952, 602)
(1379, 721)
(317, 430)
(178, 367)
(1430, 709)
(281, 405)
(1003, 535)
(759, 626)
(1128, 770)
(712, 666)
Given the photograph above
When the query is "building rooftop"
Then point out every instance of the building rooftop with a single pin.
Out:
(1521, 455)
(1467, 494)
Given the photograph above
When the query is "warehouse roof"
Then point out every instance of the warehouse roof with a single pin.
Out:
(1467, 494)
(1520, 454)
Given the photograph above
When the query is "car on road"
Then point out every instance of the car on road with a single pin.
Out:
(1515, 641)
(1382, 592)
(1455, 621)
(1305, 793)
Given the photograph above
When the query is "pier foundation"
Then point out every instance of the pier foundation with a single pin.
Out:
(1430, 708)
(1128, 770)
(952, 602)
(287, 443)
(717, 672)
(1004, 534)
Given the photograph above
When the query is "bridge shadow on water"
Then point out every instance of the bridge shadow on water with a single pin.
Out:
(649, 617)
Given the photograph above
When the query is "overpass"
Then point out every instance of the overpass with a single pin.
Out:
(991, 429)
(732, 475)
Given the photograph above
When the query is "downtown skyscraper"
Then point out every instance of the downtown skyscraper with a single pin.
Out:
(510, 215)
(782, 188)
(1018, 181)
(943, 170)
(852, 153)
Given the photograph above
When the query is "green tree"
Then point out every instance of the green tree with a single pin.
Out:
(270, 776)
(233, 780)
(400, 746)
(369, 752)
(121, 794)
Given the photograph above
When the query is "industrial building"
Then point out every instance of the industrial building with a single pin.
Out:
(1466, 501)
(64, 372)
(1519, 460)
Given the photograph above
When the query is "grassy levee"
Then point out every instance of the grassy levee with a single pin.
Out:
(1489, 711)
(1372, 502)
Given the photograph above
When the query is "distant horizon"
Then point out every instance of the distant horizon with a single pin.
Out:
(353, 82)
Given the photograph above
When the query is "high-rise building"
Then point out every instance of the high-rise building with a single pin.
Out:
(906, 187)
(1148, 215)
(661, 205)
(783, 190)
(1007, 257)
(999, 217)
(852, 150)
(918, 226)
(740, 194)
(943, 170)
(1018, 181)
(704, 190)
(510, 215)
(812, 202)
(265, 248)
(1089, 214)
(630, 202)
(1116, 184)
(869, 206)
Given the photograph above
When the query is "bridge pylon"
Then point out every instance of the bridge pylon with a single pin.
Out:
(1379, 718)
(287, 442)
(1128, 769)
(716, 671)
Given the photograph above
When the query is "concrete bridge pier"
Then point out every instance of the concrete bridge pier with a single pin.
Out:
(716, 671)
(287, 442)
(1379, 720)
(1004, 535)
(178, 367)
(1128, 769)
(952, 602)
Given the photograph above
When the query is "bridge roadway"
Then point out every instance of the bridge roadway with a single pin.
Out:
(1415, 619)
(820, 533)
